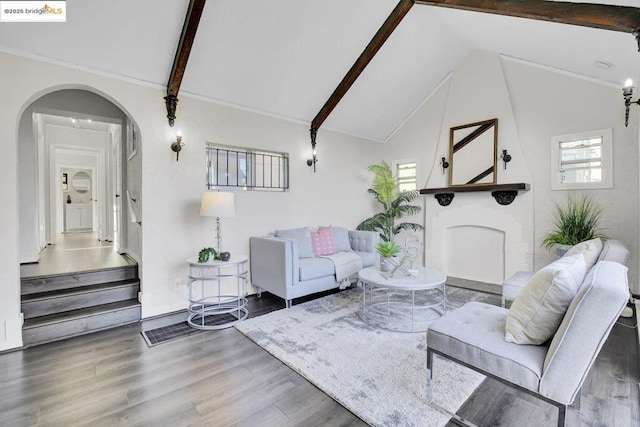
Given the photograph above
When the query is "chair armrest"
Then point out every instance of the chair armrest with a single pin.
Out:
(363, 241)
(274, 264)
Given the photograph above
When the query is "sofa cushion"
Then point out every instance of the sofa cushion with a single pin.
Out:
(590, 250)
(340, 239)
(474, 334)
(368, 258)
(537, 312)
(322, 242)
(301, 238)
(313, 268)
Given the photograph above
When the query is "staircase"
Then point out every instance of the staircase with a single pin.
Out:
(66, 305)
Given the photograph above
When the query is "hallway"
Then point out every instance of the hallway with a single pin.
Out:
(75, 252)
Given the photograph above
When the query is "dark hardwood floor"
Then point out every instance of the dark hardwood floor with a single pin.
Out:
(221, 378)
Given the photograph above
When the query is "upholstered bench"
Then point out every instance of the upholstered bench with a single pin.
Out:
(508, 345)
(512, 287)
(612, 250)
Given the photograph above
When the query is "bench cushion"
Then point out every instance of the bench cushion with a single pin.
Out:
(474, 334)
(584, 330)
(614, 250)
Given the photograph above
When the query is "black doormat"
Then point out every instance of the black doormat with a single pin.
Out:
(173, 332)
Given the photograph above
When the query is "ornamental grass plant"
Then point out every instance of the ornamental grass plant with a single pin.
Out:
(576, 222)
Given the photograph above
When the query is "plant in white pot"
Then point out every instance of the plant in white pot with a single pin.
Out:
(387, 249)
(574, 223)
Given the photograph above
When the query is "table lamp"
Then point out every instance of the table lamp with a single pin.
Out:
(220, 205)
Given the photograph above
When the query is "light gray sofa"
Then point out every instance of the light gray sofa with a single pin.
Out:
(276, 265)
(474, 336)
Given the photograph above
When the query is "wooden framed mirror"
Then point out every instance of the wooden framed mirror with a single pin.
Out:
(473, 153)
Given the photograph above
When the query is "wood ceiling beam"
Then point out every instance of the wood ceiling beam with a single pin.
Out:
(606, 17)
(390, 24)
(189, 29)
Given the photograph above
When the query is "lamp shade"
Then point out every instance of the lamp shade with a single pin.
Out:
(217, 203)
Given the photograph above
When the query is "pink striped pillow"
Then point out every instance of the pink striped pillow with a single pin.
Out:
(322, 242)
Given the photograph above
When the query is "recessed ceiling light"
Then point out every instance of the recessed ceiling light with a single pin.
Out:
(603, 65)
(89, 120)
(74, 120)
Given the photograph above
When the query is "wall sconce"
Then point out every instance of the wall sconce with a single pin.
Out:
(506, 157)
(627, 92)
(177, 145)
(313, 160)
(444, 164)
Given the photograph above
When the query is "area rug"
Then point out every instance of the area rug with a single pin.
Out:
(378, 375)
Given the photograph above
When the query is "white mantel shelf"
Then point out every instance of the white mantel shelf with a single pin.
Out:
(503, 193)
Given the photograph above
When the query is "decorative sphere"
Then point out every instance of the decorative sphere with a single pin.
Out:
(225, 256)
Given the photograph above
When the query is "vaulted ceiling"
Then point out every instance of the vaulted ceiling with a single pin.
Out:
(285, 57)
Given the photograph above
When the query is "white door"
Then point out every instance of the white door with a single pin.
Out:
(116, 197)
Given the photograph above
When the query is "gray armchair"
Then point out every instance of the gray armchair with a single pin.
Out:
(474, 336)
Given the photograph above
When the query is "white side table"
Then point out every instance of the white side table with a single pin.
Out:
(211, 303)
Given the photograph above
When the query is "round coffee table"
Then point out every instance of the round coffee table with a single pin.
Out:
(402, 303)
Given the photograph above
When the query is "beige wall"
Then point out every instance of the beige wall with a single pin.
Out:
(172, 230)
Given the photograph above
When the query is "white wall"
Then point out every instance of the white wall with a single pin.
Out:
(172, 230)
(335, 195)
(547, 103)
(532, 104)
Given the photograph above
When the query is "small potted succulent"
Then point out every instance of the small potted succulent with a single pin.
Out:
(207, 255)
(210, 254)
(387, 249)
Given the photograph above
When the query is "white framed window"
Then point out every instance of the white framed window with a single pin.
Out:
(406, 173)
(582, 160)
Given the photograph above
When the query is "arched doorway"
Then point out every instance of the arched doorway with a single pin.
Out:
(61, 133)
(78, 155)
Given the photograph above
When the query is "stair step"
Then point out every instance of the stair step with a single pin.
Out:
(36, 285)
(53, 327)
(62, 300)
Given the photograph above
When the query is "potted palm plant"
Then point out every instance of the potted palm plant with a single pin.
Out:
(574, 223)
(395, 205)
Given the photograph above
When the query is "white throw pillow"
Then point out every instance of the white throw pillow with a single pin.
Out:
(590, 249)
(537, 312)
(302, 239)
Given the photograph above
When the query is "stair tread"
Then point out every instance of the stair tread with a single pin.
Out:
(79, 313)
(40, 284)
(57, 293)
(78, 273)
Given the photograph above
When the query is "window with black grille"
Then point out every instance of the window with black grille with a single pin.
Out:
(246, 168)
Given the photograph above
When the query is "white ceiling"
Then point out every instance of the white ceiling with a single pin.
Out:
(73, 121)
(285, 57)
